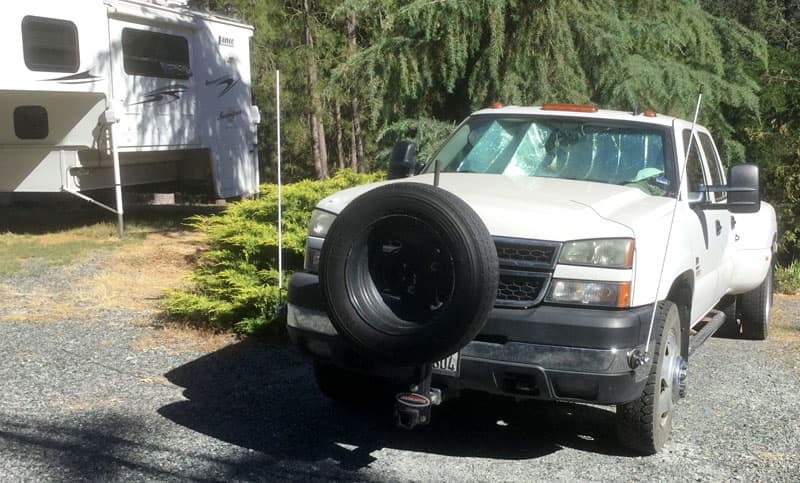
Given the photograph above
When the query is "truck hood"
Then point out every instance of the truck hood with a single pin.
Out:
(540, 208)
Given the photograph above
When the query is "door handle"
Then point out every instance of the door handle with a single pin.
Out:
(719, 226)
(733, 222)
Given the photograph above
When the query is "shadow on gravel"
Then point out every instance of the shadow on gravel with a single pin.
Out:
(98, 450)
(264, 398)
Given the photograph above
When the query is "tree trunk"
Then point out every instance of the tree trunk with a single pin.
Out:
(317, 125)
(356, 140)
(339, 137)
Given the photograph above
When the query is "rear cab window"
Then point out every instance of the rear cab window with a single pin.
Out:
(714, 164)
(695, 171)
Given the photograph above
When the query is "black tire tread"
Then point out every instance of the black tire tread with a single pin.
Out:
(755, 326)
(635, 429)
(479, 274)
(731, 328)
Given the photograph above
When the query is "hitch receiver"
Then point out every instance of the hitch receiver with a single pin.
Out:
(413, 408)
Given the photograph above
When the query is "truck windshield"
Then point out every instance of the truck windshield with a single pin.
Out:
(591, 150)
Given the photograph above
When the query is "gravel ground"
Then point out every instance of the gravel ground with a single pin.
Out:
(99, 399)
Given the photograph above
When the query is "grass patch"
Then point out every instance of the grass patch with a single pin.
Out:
(28, 253)
(18, 253)
(130, 275)
(784, 325)
(36, 238)
(787, 279)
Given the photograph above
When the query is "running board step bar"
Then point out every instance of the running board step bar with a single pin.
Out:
(710, 323)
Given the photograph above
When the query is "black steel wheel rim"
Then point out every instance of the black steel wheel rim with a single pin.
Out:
(400, 274)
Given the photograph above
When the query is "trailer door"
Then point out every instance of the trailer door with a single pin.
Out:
(228, 119)
(153, 79)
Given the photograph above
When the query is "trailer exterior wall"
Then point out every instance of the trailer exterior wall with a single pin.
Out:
(196, 123)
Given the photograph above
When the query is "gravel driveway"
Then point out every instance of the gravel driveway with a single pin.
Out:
(109, 398)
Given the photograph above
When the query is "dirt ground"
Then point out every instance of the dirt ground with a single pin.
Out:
(131, 275)
(96, 386)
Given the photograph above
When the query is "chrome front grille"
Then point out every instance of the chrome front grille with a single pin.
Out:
(526, 267)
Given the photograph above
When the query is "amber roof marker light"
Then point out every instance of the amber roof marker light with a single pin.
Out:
(569, 107)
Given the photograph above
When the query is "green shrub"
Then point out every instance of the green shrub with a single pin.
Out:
(235, 284)
(787, 279)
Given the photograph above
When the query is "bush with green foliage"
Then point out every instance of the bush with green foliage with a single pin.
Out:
(235, 285)
(787, 278)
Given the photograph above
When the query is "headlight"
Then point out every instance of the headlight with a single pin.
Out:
(580, 292)
(608, 252)
(320, 223)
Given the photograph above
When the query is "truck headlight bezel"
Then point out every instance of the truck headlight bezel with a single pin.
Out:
(601, 252)
(320, 223)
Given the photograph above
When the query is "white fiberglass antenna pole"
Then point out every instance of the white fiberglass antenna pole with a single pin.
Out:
(674, 210)
(280, 204)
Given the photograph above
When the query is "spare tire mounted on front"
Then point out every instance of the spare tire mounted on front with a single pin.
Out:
(408, 273)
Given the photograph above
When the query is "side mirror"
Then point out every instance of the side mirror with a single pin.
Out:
(743, 193)
(401, 163)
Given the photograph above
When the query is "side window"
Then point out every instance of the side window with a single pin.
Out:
(713, 163)
(155, 54)
(50, 45)
(694, 165)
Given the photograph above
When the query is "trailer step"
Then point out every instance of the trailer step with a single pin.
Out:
(710, 323)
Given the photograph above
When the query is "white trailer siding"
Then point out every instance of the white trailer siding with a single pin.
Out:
(176, 80)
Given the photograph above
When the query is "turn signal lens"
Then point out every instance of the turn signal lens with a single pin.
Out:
(582, 292)
(569, 107)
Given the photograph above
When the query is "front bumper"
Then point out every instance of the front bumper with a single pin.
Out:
(547, 352)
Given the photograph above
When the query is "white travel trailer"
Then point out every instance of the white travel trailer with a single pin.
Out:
(104, 93)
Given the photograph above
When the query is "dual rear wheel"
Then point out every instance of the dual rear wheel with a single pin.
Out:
(747, 315)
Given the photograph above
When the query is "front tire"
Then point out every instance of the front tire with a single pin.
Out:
(644, 425)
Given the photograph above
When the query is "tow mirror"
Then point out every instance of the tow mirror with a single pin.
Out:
(743, 193)
(401, 163)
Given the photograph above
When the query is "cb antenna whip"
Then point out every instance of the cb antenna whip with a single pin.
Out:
(280, 203)
(672, 220)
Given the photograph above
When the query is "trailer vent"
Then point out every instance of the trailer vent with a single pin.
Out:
(30, 122)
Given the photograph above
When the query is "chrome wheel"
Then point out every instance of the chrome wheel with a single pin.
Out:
(768, 297)
(669, 381)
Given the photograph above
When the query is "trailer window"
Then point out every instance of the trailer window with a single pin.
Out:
(155, 54)
(50, 45)
(30, 122)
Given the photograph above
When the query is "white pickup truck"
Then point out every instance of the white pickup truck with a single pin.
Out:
(558, 252)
